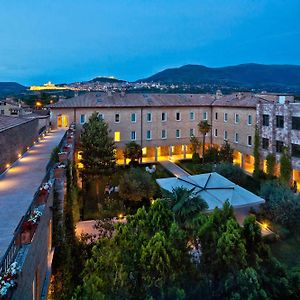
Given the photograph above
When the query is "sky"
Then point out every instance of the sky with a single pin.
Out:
(73, 40)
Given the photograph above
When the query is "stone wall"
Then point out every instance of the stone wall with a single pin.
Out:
(35, 264)
(15, 140)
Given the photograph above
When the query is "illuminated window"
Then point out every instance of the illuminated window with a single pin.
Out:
(117, 136)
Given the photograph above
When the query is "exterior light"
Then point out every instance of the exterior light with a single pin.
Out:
(120, 216)
(19, 155)
(265, 225)
(27, 148)
(7, 166)
(38, 104)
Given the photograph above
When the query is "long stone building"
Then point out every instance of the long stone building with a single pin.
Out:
(163, 123)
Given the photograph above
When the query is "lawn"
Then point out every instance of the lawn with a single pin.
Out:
(194, 168)
(98, 205)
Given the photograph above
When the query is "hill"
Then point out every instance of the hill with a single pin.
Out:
(103, 79)
(11, 88)
(283, 78)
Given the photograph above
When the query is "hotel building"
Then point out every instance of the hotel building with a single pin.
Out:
(163, 123)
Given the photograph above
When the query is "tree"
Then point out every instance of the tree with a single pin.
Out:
(204, 128)
(271, 161)
(226, 153)
(137, 185)
(195, 147)
(133, 151)
(98, 148)
(256, 154)
(285, 167)
(185, 205)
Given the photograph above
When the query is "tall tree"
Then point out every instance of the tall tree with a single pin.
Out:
(204, 127)
(285, 167)
(271, 161)
(226, 153)
(133, 151)
(256, 153)
(98, 147)
(195, 147)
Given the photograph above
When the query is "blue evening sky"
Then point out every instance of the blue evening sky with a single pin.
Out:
(73, 40)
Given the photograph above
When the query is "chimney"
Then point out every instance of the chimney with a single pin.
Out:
(219, 94)
(239, 95)
(122, 93)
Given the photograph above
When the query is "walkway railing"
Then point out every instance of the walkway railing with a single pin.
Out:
(14, 246)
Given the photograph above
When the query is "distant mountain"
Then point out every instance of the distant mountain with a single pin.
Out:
(11, 88)
(284, 78)
(104, 79)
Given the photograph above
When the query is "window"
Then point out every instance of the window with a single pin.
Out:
(117, 118)
(249, 140)
(133, 117)
(2, 111)
(216, 116)
(100, 116)
(149, 135)
(149, 117)
(163, 117)
(225, 135)
(279, 146)
(225, 117)
(133, 135)
(279, 121)
(82, 119)
(177, 133)
(295, 150)
(164, 134)
(192, 132)
(192, 116)
(236, 118)
(205, 116)
(236, 137)
(249, 120)
(296, 123)
(117, 136)
(265, 143)
(178, 116)
(266, 120)
(216, 132)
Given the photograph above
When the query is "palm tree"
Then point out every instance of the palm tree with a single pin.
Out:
(204, 128)
(185, 205)
(133, 151)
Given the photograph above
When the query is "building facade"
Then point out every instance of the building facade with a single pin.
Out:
(163, 123)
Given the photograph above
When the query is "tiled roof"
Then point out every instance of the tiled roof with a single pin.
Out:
(7, 122)
(134, 100)
(239, 100)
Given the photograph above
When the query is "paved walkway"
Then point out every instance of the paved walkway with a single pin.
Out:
(174, 169)
(19, 184)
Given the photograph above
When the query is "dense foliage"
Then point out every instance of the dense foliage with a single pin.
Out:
(282, 205)
(137, 185)
(226, 153)
(285, 167)
(133, 151)
(98, 147)
(271, 162)
(256, 154)
(150, 258)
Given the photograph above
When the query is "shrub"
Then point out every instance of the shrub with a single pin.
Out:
(211, 155)
(271, 161)
(226, 153)
(196, 158)
(282, 205)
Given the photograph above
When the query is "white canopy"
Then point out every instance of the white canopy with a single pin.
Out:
(214, 189)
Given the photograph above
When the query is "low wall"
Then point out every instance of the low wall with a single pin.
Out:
(15, 140)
